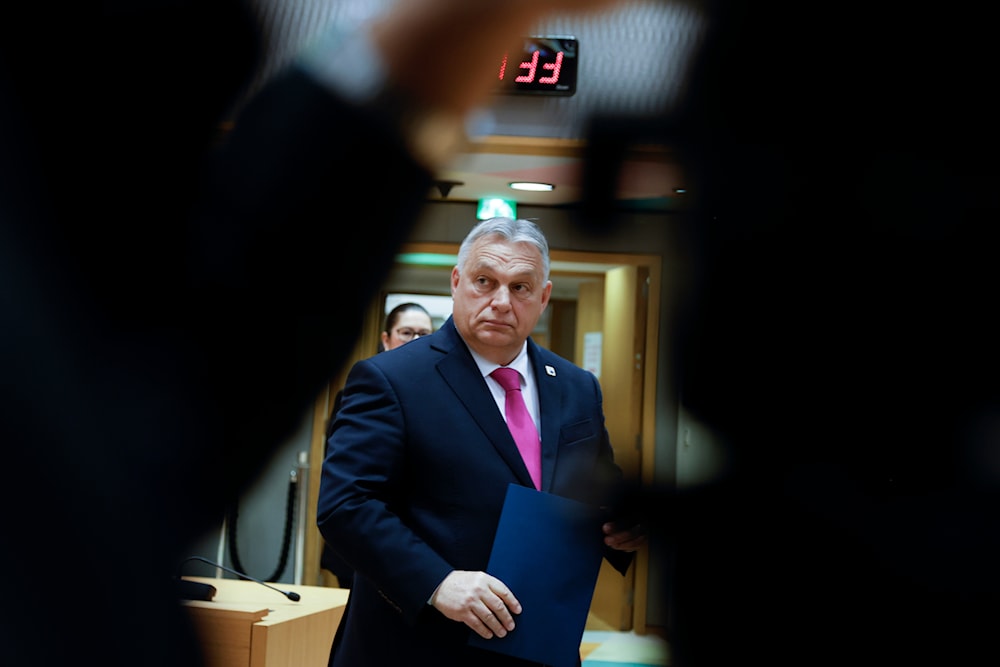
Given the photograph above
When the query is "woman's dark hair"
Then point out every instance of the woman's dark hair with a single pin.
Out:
(393, 317)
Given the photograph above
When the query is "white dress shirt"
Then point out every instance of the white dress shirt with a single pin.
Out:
(529, 388)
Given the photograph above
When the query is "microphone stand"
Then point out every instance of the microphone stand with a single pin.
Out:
(193, 590)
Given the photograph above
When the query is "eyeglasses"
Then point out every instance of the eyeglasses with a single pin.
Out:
(410, 334)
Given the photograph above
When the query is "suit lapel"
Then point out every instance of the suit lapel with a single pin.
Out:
(550, 398)
(460, 372)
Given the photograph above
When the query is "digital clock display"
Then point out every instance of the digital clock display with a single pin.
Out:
(545, 66)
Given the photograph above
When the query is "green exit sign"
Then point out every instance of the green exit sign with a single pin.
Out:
(495, 207)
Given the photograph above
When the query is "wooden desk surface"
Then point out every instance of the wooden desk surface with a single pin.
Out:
(249, 625)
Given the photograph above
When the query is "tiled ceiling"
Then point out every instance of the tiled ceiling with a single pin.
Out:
(649, 181)
(633, 60)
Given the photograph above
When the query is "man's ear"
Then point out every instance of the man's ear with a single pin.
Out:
(546, 293)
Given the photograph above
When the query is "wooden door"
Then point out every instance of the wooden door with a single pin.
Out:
(622, 368)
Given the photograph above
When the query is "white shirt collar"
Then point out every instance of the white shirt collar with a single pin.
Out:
(520, 363)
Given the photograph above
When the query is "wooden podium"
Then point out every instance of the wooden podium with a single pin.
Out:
(249, 625)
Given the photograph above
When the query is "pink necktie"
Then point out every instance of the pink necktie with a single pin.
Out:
(520, 424)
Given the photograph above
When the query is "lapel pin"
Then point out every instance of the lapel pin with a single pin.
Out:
(551, 371)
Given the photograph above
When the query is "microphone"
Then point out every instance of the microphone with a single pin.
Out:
(189, 592)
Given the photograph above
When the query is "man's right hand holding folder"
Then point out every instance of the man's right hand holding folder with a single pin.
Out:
(487, 605)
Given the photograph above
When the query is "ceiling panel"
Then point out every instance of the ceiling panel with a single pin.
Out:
(633, 60)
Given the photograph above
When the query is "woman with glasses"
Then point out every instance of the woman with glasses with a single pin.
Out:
(407, 321)
(404, 323)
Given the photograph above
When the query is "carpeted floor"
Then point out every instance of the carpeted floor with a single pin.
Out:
(606, 648)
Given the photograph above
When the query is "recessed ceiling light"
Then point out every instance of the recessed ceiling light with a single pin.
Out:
(531, 187)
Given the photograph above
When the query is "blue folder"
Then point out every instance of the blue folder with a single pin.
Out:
(548, 551)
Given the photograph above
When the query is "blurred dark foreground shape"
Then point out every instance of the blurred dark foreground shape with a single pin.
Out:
(838, 335)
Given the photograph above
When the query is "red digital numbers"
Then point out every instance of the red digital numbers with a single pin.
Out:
(531, 67)
(546, 65)
(554, 68)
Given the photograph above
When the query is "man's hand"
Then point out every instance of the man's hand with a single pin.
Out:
(632, 539)
(479, 600)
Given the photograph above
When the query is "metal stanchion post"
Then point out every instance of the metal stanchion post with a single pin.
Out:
(300, 524)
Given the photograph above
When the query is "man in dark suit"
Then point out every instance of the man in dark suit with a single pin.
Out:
(420, 459)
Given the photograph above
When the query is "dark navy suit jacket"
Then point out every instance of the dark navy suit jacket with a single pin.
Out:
(415, 477)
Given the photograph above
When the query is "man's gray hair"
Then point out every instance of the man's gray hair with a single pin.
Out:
(511, 230)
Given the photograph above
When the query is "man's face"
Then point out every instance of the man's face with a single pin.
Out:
(499, 294)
